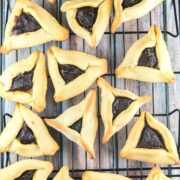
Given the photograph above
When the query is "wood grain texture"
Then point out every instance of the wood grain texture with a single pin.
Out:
(113, 47)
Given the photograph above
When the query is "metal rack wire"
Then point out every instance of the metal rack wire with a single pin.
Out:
(76, 173)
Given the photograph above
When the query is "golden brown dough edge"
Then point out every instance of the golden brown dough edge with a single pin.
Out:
(157, 174)
(92, 175)
(43, 169)
(94, 66)
(129, 70)
(156, 156)
(87, 108)
(36, 98)
(108, 93)
(130, 13)
(63, 174)
(45, 34)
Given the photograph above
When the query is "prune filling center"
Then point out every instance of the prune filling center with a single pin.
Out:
(22, 82)
(77, 126)
(26, 136)
(151, 139)
(120, 104)
(27, 175)
(25, 23)
(69, 72)
(148, 58)
(86, 17)
(130, 3)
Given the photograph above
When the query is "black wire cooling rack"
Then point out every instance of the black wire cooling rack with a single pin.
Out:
(76, 173)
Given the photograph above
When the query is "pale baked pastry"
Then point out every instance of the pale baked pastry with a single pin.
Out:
(90, 175)
(30, 25)
(26, 135)
(52, 1)
(63, 174)
(72, 72)
(79, 123)
(157, 174)
(26, 170)
(25, 81)
(118, 107)
(88, 18)
(150, 141)
(126, 10)
(147, 60)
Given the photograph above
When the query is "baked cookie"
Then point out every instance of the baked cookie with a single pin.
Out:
(157, 174)
(118, 107)
(150, 141)
(88, 18)
(52, 1)
(90, 175)
(126, 10)
(26, 170)
(30, 25)
(147, 60)
(73, 72)
(25, 81)
(26, 135)
(79, 123)
(63, 174)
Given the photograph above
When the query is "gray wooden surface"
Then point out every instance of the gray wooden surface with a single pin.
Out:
(106, 155)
